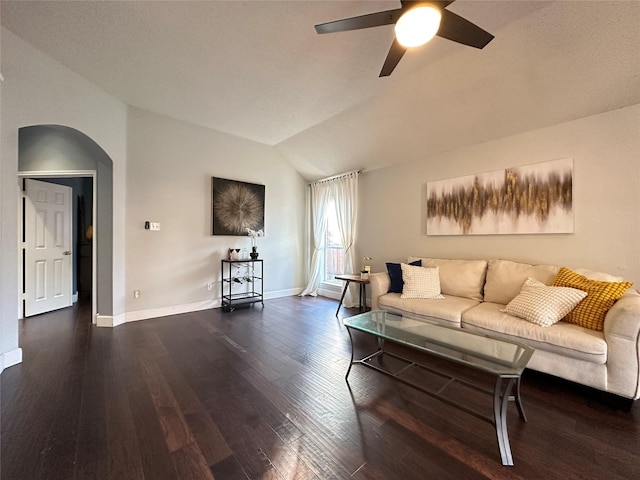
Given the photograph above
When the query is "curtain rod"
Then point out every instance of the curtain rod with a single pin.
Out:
(341, 175)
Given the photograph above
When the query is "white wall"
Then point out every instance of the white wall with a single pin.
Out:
(38, 90)
(606, 199)
(169, 170)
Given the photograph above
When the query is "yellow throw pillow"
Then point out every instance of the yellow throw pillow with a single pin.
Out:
(590, 312)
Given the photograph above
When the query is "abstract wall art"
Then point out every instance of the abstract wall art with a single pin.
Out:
(236, 206)
(529, 199)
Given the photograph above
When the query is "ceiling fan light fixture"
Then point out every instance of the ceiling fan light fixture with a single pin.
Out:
(418, 25)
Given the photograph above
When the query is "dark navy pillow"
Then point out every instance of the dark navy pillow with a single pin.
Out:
(395, 274)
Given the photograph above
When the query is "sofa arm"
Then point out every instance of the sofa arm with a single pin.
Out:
(622, 334)
(380, 283)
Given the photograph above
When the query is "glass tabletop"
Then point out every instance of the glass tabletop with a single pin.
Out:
(492, 355)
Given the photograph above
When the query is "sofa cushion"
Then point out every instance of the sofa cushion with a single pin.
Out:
(420, 282)
(449, 308)
(591, 311)
(462, 278)
(395, 275)
(543, 305)
(563, 338)
(505, 279)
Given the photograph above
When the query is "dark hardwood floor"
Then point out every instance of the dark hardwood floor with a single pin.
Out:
(260, 394)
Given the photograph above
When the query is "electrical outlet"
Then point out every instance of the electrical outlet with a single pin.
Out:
(155, 226)
(136, 294)
(210, 286)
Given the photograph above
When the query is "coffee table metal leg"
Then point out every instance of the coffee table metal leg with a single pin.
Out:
(344, 292)
(518, 401)
(350, 361)
(500, 403)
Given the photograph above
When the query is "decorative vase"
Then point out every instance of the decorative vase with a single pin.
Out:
(254, 253)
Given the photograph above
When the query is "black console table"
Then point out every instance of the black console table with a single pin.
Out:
(241, 283)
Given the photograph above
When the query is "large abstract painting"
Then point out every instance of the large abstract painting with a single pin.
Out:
(520, 200)
(236, 206)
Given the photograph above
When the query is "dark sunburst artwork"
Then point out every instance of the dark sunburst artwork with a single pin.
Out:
(236, 206)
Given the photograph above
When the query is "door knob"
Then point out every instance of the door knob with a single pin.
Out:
(68, 252)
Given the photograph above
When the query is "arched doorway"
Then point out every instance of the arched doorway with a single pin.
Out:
(55, 151)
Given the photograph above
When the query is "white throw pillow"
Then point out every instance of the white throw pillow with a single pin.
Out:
(543, 305)
(420, 282)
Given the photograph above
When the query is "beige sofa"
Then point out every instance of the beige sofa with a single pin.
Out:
(476, 290)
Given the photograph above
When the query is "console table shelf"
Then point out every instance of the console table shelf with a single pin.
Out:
(241, 283)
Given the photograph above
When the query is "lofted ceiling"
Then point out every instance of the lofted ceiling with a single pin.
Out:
(258, 70)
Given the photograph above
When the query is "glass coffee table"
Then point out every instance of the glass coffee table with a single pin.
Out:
(502, 359)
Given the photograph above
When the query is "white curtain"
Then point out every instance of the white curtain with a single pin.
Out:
(320, 197)
(343, 190)
(345, 194)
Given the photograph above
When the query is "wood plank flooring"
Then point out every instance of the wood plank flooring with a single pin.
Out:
(260, 394)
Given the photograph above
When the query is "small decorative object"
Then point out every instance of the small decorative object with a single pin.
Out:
(253, 234)
(230, 254)
(366, 268)
(366, 264)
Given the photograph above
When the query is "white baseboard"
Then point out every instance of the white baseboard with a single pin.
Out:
(107, 321)
(335, 292)
(291, 292)
(74, 298)
(329, 293)
(172, 310)
(11, 358)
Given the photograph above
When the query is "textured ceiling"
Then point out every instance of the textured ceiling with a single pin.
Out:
(259, 71)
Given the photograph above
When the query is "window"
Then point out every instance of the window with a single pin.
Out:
(332, 202)
(334, 250)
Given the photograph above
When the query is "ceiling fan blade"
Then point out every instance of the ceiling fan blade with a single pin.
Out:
(454, 27)
(364, 21)
(393, 57)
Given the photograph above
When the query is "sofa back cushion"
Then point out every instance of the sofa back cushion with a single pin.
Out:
(600, 276)
(505, 279)
(461, 278)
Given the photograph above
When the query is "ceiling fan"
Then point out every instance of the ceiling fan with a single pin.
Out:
(424, 19)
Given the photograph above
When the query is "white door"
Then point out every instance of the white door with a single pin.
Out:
(48, 275)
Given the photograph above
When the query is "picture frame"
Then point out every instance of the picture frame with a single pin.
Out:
(236, 206)
(529, 199)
